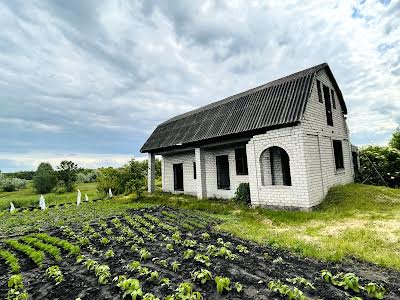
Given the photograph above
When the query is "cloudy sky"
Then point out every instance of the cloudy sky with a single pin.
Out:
(90, 80)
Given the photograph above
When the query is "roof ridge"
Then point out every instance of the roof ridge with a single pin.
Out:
(214, 104)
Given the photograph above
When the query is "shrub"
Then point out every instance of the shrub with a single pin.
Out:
(379, 166)
(11, 184)
(87, 176)
(243, 193)
(67, 171)
(45, 179)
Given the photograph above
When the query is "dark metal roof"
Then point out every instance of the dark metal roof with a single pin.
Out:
(275, 104)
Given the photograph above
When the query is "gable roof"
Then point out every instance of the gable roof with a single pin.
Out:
(277, 103)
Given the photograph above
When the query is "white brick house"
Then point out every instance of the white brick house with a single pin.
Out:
(288, 139)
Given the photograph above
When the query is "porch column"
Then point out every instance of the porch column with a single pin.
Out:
(200, 173)
(151, 172)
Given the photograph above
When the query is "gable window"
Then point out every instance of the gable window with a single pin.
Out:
(194, 170)
(319, 91)
(338, 152)
(328, 106)
(333, 99)
(241, 161)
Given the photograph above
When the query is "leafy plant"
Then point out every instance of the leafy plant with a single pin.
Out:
(150, 296)
(129, 286)
(175, 266)
(223, 284)
(55, 273)
(109, 253)
(72, 249)
(170, 247)
(50, 249)
(242, 249)
(104, 241)
(202, 275)
(375, 290)
(189, 243)
(347, 280)
(204, 259)
(284, 290)
(154, 275)
(165, 281)
(102, 273)
(144, 254)
(302, 281)
(242, 193)
(238, 287)
(134, 265)
(185, 292)
(205, 236)
(189, 253)
(16, 288)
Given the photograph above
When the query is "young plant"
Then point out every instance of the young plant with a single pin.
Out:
(130, 287)
(55, 273)
(102, 273)
(144, 254)
(347, 280)
(72, 249)
(154, 276)
(109, 253)
(242, 249)
(375, 290)
(205, 236)
(284, 290)
(47, 248)
(223, 284)
(165, 281)
(104, 241)
(202, 275)
(302, 281)
(170, 247)
(185, 291)
(189, 243)
(150, 296)
(238, 287)
(175, 266)
(189, 253)
(134, 266)
(204, 259)
(16, 288)
(163, 263)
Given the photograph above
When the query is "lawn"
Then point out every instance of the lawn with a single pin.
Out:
(355, 226)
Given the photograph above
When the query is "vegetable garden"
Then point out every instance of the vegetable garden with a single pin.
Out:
(165, 253)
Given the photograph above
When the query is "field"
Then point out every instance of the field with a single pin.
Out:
(177, 245)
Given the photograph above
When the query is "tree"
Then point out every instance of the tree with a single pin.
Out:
(67, 171)
(45, 179)
(135, 177)
(395, 140)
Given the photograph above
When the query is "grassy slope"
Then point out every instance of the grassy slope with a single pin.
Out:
(355, 220)
(27, 197)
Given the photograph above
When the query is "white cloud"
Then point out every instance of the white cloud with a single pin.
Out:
(100, 75)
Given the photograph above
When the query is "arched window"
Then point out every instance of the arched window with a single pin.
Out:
(275, 167)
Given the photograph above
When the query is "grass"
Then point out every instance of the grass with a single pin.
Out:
(355, 220)
(28, 197)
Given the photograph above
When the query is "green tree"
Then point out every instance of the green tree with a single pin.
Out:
(67, 171)
(395, 140)
(45, 179)
(109, 178)
(134, 174)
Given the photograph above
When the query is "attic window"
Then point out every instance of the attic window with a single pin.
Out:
(333, 99)
(338, 152)
(319, 91)
(328, 106)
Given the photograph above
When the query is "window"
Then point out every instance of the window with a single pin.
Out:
(241, 161)
(223, 181)
(328, 107)
(319, 91)
(338, 152)
(194, 170)
(333, 99)
(275, 167)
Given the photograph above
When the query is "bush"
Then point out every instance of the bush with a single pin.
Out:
(243, 193)
(87, 177)
(45, 179)
(66, 173)
(11, 184)
(130, 178)
(379, 166)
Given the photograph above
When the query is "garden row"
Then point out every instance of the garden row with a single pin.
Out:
(160, 253)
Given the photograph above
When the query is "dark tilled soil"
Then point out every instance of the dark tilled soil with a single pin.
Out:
(252, 270)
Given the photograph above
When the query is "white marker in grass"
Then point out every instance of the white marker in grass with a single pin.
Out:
(110, 193)
(78, 198)
(12, 207)
(42, 203)
(86, 198)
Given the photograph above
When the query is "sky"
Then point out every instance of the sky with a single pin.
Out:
(90, 80)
